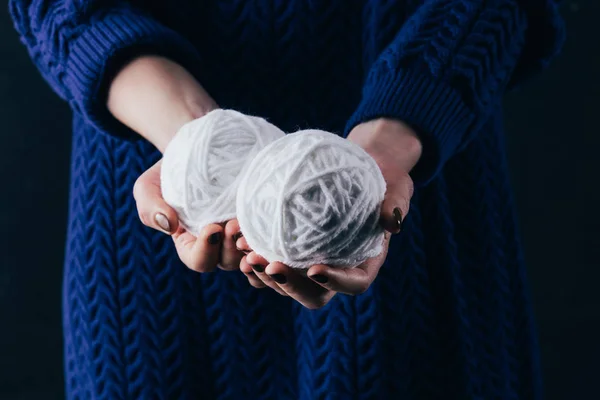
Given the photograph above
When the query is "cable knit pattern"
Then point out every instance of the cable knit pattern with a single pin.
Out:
(448, 317)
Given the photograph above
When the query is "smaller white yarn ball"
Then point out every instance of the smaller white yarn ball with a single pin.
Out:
(310, 198)
(202, 165)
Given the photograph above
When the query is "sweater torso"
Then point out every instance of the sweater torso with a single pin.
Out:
(448, 317)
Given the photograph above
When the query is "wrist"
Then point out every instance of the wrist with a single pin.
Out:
(389, 137)
(187, 111)
(155, 97)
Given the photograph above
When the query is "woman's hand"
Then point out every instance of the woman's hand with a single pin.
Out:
(316, 287)
(155, 97)
(214, 246)
(396, 149)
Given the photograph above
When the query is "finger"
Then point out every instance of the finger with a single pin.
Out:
(396, 204)
(200, 253)
(152, 209)
(255, 260)
(230, 255)
(344, 280)
(242, 244)
(249, 272)
(298, 287)
(258, 265)
(352, 281)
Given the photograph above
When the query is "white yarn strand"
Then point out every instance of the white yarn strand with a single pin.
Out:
(312, 197)
(202, 165)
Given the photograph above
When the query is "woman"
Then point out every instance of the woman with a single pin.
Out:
(417, 84)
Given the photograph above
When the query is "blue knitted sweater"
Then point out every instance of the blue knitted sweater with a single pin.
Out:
(448, 316)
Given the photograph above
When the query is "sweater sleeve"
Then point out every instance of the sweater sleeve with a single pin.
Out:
(79, 45)
(447, 69)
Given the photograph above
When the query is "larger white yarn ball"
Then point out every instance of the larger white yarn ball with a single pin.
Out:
(310, 198)
(202, 165)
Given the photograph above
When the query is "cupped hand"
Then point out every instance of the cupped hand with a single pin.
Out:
(396, 149)
(315, 287)
(215, 245)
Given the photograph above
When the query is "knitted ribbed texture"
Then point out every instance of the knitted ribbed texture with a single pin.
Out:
(448, 316)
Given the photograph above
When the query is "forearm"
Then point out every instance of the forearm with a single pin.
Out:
(78, 47)
(154, 97)
(444, 74)
(392, 139)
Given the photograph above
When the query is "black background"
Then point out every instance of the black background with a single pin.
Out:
(554, 137)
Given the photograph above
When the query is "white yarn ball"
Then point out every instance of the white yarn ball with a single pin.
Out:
(202, 165)
(310, 198)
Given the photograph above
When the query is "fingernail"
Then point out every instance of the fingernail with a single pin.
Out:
(398, 218)
(237, 236)
(163, 222)
(319, 278)
(279, 278)
(258, 268)
(215, 238)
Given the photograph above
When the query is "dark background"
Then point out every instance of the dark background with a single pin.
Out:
(553, 146)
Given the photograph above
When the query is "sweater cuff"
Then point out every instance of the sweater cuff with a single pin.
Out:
(434, 110)
(103, 47)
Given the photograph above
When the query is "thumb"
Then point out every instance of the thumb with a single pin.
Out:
(153, 211)
(396, 203)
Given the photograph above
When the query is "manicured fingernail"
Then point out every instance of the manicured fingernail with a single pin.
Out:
(237, 236)
(279, 278)
(215, 238)
(163, 222)
(319, 278)
(398, 218)
(258, 268)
